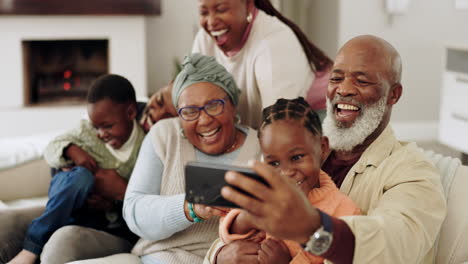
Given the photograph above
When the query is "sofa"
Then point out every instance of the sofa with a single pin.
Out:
(24, 181)
(23, 194)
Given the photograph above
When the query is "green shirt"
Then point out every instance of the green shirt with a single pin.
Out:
(85, 137)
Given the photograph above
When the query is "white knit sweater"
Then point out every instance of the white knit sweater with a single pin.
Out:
(191, 244)
(271, 65)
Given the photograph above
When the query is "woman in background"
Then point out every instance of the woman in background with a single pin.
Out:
(267, 54)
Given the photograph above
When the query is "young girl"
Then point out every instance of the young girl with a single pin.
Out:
(291, 140)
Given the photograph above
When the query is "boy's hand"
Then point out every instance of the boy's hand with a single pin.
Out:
(109, 184)
(80, 157)
(98, 202)
(273, 251)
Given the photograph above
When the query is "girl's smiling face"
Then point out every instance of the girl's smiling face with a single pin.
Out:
(297, 153)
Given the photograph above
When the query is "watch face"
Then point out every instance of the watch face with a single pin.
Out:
(322, 242)
(319, 242)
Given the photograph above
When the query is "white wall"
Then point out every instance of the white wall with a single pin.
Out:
(317, 19)
(419, 36)
(169, 37)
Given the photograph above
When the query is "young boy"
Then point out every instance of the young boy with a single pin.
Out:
(95, 162)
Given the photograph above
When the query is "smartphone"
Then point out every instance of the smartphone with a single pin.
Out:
(203, 183)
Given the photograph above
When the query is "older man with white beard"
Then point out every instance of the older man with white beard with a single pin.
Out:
(397, 189)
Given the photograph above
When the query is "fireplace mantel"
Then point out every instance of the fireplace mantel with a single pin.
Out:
(80, 7)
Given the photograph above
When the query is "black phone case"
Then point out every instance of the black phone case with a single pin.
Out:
(203, 183)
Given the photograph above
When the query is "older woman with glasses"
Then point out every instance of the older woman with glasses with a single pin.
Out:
(172, 230)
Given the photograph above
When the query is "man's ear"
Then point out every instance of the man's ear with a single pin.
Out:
(131, 111)
(395, 93)
(325, 146)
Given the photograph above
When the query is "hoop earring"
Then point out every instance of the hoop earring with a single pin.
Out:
(237, 119)
(249, 18)
(182, 133)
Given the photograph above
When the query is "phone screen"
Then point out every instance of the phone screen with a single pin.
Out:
(203, 182)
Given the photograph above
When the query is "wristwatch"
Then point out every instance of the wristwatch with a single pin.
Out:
(320, 241)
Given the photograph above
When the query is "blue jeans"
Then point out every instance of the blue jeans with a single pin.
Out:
(68, 192)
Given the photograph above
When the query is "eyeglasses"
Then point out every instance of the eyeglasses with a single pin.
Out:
(212, 108)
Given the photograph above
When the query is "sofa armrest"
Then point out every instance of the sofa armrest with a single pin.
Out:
(453, 239)
(28, 180)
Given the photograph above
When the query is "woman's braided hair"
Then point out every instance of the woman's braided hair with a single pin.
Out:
(317, 59)
(288, 109)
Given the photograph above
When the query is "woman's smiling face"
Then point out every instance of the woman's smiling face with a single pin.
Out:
(225, 21)
(210, 134)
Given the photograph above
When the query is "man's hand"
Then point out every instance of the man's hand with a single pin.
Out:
(273, 251)
(80, 157)
(158, 107)
(109, 184)
(239, 251)
(272, 207)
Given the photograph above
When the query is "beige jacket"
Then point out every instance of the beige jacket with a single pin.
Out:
(401, 199)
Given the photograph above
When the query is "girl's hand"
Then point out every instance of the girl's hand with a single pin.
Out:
(273, 251)
(239, 251)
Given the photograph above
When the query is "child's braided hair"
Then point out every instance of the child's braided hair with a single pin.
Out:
(297, 109)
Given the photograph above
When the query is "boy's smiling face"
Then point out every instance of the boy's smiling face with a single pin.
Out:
(294, 151)
(113, 121)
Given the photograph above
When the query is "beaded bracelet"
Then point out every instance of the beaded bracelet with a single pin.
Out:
(192, 213)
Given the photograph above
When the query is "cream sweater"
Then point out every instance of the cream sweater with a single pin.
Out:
(189, 245)
(269, 66)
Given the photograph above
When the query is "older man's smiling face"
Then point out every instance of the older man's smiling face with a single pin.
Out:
(357, 96)
(359, 78)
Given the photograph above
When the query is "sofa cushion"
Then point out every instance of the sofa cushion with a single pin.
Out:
(28, 180)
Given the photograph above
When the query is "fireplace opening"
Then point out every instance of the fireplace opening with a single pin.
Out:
(59, 72)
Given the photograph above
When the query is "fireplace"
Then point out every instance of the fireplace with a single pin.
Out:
(59, 72)
(126, 56)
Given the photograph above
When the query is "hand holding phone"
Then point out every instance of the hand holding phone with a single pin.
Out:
(203, 182)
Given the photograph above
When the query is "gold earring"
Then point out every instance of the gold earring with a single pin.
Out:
(249, 18)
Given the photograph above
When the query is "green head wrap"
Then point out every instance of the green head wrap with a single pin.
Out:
(199, 68)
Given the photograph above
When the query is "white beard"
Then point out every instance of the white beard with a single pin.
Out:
(346, 139)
